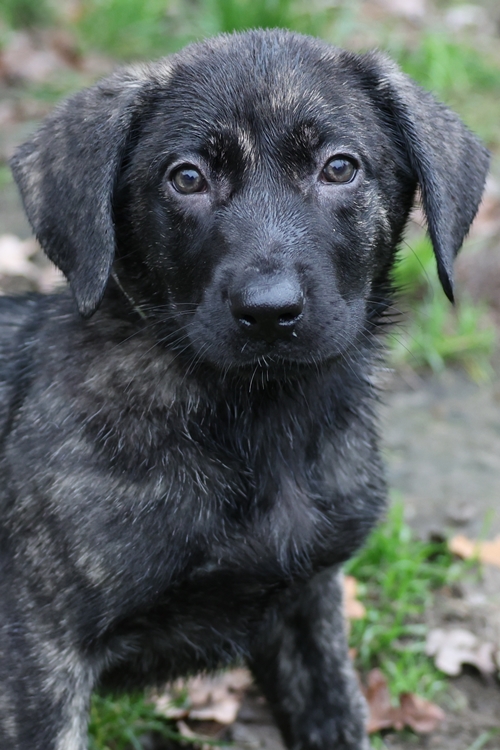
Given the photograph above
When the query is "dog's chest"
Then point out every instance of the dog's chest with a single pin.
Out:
(274, 535)
(272, 516)
(267, 500)
(235, 564)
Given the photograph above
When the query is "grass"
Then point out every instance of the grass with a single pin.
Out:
(463, 76)
(121, 723)
(125, 29)
(5, 176)
(129, 29)
(237, 15)
(483, 738)
(437, 333)
(461, 69)
(397, 575)
(447, 66)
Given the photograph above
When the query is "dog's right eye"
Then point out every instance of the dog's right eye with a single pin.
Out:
(188, 179)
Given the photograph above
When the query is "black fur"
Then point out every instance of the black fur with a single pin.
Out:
(180, 480)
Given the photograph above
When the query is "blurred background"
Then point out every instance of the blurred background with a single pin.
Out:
(440, 389)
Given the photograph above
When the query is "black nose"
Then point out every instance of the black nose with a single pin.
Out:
(267, 308)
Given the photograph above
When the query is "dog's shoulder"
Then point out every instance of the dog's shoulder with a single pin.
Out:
(34, 330)
(15, 314)
(19, 319)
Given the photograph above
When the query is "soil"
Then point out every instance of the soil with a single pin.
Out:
(442, 448)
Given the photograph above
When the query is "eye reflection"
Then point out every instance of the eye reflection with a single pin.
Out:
(340, 169)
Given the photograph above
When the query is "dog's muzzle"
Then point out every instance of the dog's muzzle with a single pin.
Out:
(267, 307)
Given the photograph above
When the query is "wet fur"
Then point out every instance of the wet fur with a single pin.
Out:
(175, 496)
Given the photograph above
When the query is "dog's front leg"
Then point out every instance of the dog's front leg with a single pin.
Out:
(44, 697)
(301, 662)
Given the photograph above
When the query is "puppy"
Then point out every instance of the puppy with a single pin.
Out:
(189, 456)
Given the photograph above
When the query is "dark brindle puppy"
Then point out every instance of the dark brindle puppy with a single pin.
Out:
(188, 459)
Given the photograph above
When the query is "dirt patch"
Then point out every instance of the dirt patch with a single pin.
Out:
(442, 449)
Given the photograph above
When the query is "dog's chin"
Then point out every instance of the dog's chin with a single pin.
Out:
(273, 367)
(262, 368)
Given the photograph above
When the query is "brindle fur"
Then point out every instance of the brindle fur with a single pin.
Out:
(175, 495)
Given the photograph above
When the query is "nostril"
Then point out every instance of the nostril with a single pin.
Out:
(290, 317)
(247, 320)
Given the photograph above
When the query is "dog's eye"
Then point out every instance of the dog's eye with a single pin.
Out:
(339, 169)
(188, 179)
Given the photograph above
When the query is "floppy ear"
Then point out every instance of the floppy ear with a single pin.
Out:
(66, 174)
(449, 162)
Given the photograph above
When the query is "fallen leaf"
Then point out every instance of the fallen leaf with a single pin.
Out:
(15, 254)
(485, 552)
(222, 711)
(452, 649)
(383, 715)
(353, 608)
(186, 731)
(417, 713)
(216, 698)
(15, 260)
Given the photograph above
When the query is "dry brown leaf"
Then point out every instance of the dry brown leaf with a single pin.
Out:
(383, 715)
(353, 608)
(485, 552)
(452, 649)
(223, 711)
(417, 713)
(216, 698)
(186, 731)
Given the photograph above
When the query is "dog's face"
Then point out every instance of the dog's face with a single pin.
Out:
(257, 186)
(260, 204)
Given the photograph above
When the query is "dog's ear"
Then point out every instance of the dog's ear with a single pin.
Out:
(66, 174)
(448, 161)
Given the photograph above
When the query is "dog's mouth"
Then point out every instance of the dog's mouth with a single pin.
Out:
(265, 363)
(260, 361)
(274, 365)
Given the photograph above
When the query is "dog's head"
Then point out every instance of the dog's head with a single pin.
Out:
(251, 192)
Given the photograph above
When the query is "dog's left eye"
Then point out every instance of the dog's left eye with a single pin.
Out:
(339, 169)
(188, 179)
